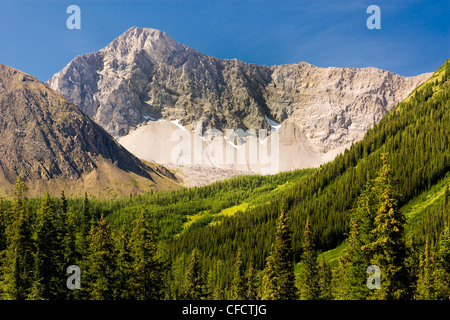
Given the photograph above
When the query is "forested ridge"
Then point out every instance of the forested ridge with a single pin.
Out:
(241, 238)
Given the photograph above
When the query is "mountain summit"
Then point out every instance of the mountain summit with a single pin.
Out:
(144, 74)
(44, 137)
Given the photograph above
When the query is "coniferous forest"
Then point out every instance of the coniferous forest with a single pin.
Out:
(383, 206)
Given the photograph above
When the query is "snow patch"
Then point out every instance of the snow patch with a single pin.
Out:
(146, 117)
(273, 124)
(175, 122)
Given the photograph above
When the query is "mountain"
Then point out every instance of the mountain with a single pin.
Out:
(415, 136)
(144, 75)
(49, 142)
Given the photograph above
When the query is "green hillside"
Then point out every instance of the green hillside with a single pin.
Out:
(415, 135)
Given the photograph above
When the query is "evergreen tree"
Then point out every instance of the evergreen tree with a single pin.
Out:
(178, 277)
(358, 253)
(64, 204)
(124, 265)
(309, 280)
(83, 236)
(148, 270)
(18, 269)
(389, 245)
(102, 263)
(426, 281)
(195, 282)
(324, 283)
(442, 272)
(339, 286)
(238, 285)
(70, 253)
(446, 198)
(49, 280)
(279, 277)
(252, 283)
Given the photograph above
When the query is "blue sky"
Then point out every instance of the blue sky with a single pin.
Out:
(414, 37)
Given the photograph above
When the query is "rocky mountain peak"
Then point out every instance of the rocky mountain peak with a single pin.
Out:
(44, 137)
(155, 43)
(144, 74)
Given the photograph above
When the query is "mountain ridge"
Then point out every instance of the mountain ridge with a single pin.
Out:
(45, 137)
(145, 74)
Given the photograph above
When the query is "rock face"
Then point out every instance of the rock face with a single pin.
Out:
(144, 74)
(45, 137)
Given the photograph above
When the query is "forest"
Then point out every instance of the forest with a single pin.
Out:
(256, 237)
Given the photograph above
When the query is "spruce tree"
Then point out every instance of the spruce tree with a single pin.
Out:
(102, 265)
(339, 286)
(358, 253)
(426, 281)
(18, 268)
(148, 270)
(309, 277)
(83, 236)
(178, 276)
(70, 251)
(446, 198)
(442, 272)
(389, 244)
(279, 277)
(195, 283)
(238, 284)
(64, 204)
(124, 265)
(49, 279)
(252, 283)
(324, 283)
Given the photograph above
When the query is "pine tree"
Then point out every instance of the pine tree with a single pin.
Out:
(64, 204)
(85, 228)
(358, 253)
(324, 283)
(339, 286)
(148, 270)
(49, 277)
(212, 282)
(70, 251)
(238, 285)
(309, 278)
(279, 277)
(389, 245)
(178, 276)
(102, 263)
(124, 265)
(18, 269)
(446, 198)
(195, 282)
(252, 283)
(442, 272)
(215, 285)
(426, 281)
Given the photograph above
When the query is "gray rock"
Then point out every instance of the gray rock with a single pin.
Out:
(145, 73)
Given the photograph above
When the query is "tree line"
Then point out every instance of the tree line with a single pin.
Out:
(38, 246)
